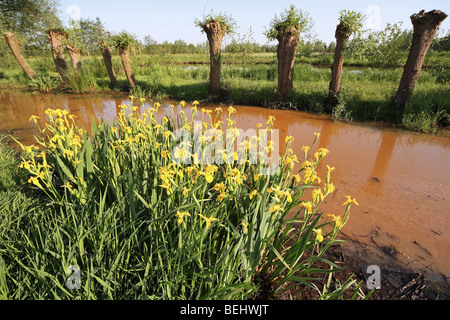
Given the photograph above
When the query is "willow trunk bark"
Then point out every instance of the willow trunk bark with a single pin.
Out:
(215, 33)
(75, 56)
(13, 44)
(286, 51)
(106, 53)
(425, 26)
(338, 64)
(56, 38)
(126, 62)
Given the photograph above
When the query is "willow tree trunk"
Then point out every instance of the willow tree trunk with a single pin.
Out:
(13, 44)
(126, 62)
(336, 69)
(425, 26)
(106, 53)
(215, 33)
(56, 38)
(286, 50)
(75, 56)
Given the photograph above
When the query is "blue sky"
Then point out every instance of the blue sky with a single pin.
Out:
(174, 19)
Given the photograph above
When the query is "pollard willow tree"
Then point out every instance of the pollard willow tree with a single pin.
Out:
(13, 43)
(107, 59)
(122, 42)
(216, 26)
(349, 23)
(286, 29)
(57, 39)
(425, 25)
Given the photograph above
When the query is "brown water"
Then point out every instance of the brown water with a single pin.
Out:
(400, 179)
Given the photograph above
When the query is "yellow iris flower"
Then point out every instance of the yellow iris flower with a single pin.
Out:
(330, 188)
(270, 120)
(181, 215)
(219, 187)
(253, 194)
(319, 234)
(350, 200)
(245, 227)
(208, 220)
(316, 194)
(308, 206)
(67, 186)
(337, 219)
(274, 209)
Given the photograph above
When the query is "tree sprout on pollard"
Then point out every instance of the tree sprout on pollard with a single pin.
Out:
(122, 42)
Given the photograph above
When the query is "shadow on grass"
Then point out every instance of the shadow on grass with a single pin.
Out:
(426, 111)
(188, 92)
(369, 110)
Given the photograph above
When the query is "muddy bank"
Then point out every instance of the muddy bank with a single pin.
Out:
(398, 282)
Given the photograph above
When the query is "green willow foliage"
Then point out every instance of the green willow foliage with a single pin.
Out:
(85, 34)
(351, 21)
(29, 19)
(28, 16)
(123, 40)
(222, 18)
(288, 19)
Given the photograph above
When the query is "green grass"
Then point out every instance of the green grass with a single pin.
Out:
(432, 60)
(9, 175)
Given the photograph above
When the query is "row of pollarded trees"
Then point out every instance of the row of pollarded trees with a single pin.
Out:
(57, 38)
(59, 42)
(286, 30)
(62, 39)
(425, 25)
(121, 42)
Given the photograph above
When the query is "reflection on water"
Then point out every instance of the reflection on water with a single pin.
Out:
(384, 154)
(400, 179)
